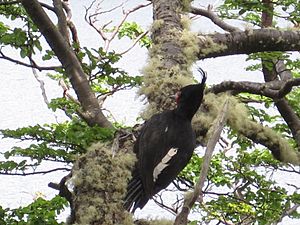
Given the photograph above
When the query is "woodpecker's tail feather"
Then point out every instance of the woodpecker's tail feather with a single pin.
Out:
(135, 197)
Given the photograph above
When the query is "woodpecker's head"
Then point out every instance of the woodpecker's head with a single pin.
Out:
(192, 91)
(189, 98)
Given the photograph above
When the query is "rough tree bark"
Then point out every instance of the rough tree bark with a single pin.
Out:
(249, 41)
(285, 110)
(91, 109)
(167, 60)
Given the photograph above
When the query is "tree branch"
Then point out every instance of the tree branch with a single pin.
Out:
(273, 89)
(40, 81)
(70, 24)
(181, 218)
(135, 42)
(35, 173)
(286, 111)
(34, 65)
(67, 57)
(62, 21)
(246, 42)
(208, 13)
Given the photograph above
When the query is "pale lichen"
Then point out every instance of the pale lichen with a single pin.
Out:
(210, 46)
(100, 183)
(238, 119)
(168, 66)
(156, 25)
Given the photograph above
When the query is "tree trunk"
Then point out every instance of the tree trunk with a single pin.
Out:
(170, 57)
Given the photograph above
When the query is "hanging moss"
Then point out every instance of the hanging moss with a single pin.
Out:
(210, 46)
(186, 5)
(156, 25)
(100, 182)
(238, 119)
(162, 78)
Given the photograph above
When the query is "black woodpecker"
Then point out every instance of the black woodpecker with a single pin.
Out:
(164, 147)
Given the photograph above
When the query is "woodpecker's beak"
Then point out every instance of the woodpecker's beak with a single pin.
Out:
(172, 96)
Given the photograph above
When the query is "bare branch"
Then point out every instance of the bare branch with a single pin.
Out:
(65, 192)
(214, 18)
(284, 108)
(135, 42)
(41, 82)
(34, 173)
(92, 19)
(34, 65)
(70, 24)
(62, 21)
(126, 14)
(47, 6)
(181, 218)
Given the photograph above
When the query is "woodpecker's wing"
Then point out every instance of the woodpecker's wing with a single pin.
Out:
(159, 145)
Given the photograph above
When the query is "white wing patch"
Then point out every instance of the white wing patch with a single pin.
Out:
(163, 163)
(166, 130)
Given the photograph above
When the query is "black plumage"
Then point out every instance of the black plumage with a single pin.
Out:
(164, 147)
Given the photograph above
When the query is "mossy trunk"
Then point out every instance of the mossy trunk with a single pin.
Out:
(100, 182)
(173, 51)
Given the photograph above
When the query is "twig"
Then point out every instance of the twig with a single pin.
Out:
(135, 42)
(214, 18)
(40, 81)
(181, 218)
(91, 20)
(35, 173)
(40, 68)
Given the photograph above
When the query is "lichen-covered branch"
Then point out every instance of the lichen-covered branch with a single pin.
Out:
(69, 61)
(273, 89)
(239, 120)
(246, 42)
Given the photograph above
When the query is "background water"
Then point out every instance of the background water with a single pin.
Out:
(21, 102)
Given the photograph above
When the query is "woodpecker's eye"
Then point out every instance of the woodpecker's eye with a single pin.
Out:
(177, 96)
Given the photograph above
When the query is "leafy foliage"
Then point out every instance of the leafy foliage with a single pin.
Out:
(103, 76)
(241, 188)
(55, 142)
(24, 37)
(249, 11)
(132, 30)
(40, 211)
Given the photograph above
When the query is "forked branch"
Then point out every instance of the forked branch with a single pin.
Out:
(273, 89)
